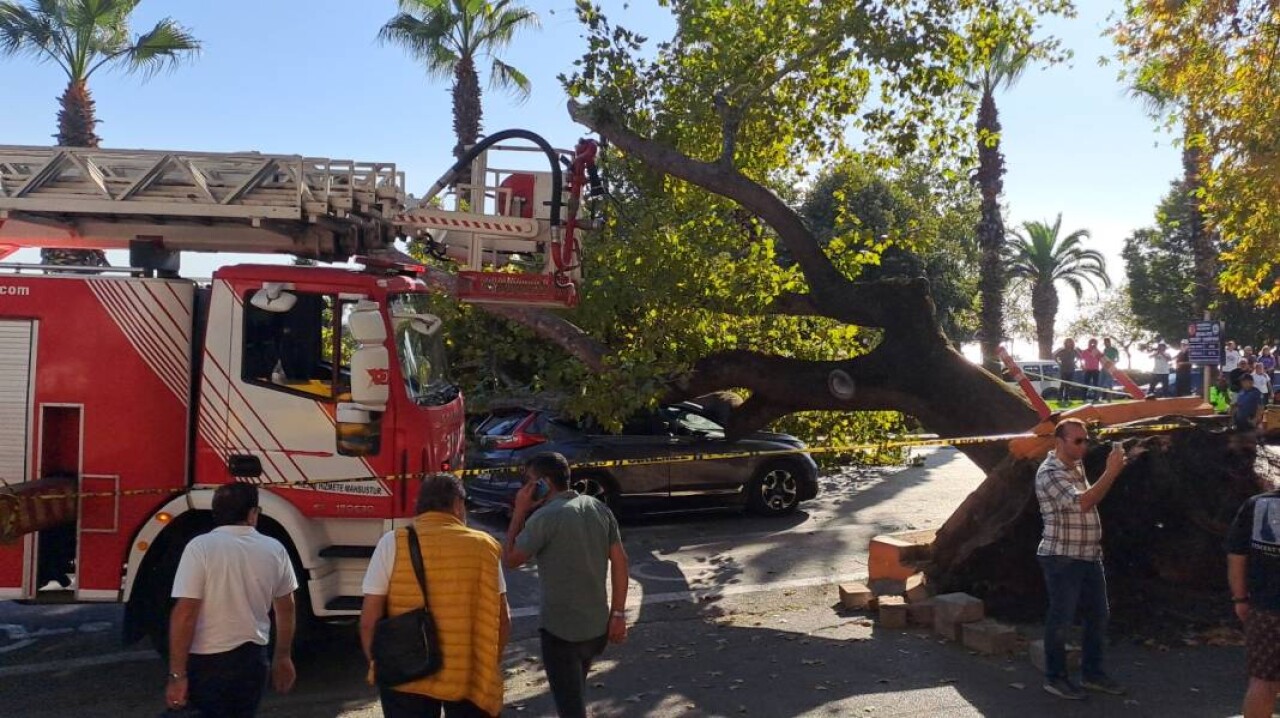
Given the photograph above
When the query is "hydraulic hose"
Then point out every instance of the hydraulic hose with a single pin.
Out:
(465, 160)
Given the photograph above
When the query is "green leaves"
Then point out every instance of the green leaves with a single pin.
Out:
(1210, 69)
(82, 36)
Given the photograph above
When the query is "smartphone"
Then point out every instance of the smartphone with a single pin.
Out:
(1117, 445)
(540, 490)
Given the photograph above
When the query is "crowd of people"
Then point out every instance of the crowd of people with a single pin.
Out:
(230, 580)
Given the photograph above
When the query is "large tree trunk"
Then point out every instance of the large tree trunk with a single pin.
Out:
(467, 113)
(990, 231)
(77, 120)
(1044, 308)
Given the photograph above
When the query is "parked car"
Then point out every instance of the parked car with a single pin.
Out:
(768, 485)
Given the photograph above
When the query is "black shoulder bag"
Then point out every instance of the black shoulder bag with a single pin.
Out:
(407, 647)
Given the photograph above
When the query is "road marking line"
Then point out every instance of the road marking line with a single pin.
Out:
(702, 594)
(74, 663)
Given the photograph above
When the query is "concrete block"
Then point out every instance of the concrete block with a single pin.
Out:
(921, 613)
(958, 608)
(1035, 651)
(916, 589)
(949, 630)
(887, 586)
(893, 556)
(893, 612)
(856, 596)
(989, 637)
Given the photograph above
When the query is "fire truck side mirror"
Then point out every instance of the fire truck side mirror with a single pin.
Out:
(370, 362)
(273, 298)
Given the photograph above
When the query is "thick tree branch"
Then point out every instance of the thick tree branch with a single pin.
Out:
(953, 397)
(824, 278)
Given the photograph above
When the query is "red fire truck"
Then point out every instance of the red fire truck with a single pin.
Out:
(128, 394)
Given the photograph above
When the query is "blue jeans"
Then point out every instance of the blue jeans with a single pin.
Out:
(1074, 584)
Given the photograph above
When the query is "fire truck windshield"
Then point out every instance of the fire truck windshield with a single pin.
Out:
(420, 348)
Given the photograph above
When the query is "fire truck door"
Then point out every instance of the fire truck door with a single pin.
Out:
(289, 373)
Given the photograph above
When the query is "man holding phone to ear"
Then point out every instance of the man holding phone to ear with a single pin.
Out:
(1070, 555)
(575, 540)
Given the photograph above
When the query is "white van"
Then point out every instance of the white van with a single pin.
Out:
(1044, 376)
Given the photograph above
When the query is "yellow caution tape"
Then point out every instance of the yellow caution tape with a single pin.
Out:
(676, 459)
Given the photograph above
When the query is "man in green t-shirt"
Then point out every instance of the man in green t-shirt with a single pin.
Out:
(576, 542)
(1113, 355)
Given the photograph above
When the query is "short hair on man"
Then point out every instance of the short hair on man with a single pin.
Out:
(232, 503)
(551, 466)
(438, 493)
(1060, 431)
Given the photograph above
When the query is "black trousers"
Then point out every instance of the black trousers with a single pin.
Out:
(399, 704)
(228, 684)
(567, 664)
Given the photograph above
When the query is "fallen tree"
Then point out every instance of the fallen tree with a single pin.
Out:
(718, 127)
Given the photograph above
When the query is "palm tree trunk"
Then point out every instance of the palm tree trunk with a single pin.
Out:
(1044, 308)
(467, 113)
(77, 120)
(1204, 254)
(990, 231)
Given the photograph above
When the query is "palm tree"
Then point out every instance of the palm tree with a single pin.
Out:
(82, 37)
(999, 68)
(1204, 250)
(1038, 257)
(448, 36)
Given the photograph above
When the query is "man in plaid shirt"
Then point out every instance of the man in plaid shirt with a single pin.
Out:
(1070, 554)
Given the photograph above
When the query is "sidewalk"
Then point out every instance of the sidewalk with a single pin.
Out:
(797, 656)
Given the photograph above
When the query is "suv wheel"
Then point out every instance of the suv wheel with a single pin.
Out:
(774, 490)
(595, 486)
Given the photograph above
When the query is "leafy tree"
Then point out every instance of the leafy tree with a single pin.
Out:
(1111, 314)
(82, 37)
(1203, 245)
(1019, 323)
(1160, 266)
(449, 37)
(1214, 64)
(1038, 259)
(926, 221)
(999, 59)
(711, 133)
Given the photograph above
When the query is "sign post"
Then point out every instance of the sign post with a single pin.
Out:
(1204, 346)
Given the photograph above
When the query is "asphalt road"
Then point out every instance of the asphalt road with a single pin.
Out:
(687, 569)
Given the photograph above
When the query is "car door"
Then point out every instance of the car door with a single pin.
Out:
(642, 446)
(696, 434)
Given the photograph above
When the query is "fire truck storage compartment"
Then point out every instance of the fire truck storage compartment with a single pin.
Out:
(17, 343)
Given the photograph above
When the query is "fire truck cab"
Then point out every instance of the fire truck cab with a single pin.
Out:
(327, 386)
(127, 395)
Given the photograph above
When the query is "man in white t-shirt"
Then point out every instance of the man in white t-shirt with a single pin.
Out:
(228, 582)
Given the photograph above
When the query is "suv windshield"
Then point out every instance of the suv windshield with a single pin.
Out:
(420, 349)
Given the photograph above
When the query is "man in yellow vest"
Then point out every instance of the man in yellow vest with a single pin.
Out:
(467, 595)
(576, 542)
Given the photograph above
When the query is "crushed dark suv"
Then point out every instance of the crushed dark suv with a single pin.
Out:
(769, 485)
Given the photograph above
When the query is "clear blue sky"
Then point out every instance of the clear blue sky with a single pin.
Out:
(309, 77)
